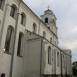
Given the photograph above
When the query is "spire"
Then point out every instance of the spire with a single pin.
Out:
(48, 7)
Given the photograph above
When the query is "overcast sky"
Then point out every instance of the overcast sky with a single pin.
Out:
(66, 14)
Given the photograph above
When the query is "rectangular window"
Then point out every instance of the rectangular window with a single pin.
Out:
(3, 75)
(63, 61)
(0, 4)
(49, 55)
(57, 58)
(20, 44)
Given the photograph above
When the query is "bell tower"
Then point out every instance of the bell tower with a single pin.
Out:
(50, 20)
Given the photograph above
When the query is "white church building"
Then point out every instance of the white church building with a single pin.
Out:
(29, 45)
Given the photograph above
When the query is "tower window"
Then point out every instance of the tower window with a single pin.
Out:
(34, 27)
(51, 39)
(1, 4)
(54, 21)
(44, 34)
(46, 20)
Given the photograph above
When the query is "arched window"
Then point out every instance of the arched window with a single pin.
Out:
(23, 17)
(57, 58)
(13, 11)
(55, 42)
(46, 20)
(1, 4)
(44, 34)
(34, 27)
(51, 39)
(54, 21)
(49, 55)
(20, 42)
(8, 38)
(63, 61)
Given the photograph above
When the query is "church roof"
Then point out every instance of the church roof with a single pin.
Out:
(48, 11)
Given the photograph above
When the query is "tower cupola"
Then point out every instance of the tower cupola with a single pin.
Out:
(50, 20)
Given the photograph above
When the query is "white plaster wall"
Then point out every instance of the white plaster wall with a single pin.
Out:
(48, 67)
(6, 58)
(32, 58)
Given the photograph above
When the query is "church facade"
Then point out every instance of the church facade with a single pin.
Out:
(29, 45)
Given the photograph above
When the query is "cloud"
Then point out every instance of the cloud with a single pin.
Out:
(71, 45)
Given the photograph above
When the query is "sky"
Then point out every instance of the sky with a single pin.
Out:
(66, 14)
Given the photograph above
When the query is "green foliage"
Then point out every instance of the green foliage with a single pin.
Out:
(74, 70)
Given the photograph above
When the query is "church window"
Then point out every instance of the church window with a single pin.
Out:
(0, 22)
(55, 42)
(1, 4)
(20, 42)
(3, 75)
(51, 39)
(46, 20)
(13, 11)
(49, 55)
(8, 38)
(57, 58)
(34, 27)
(63, 61)
(44, 34)
(23, 17)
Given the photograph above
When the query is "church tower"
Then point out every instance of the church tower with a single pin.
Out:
(50, 20)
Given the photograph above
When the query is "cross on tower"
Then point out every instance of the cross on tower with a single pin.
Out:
(48, 7)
